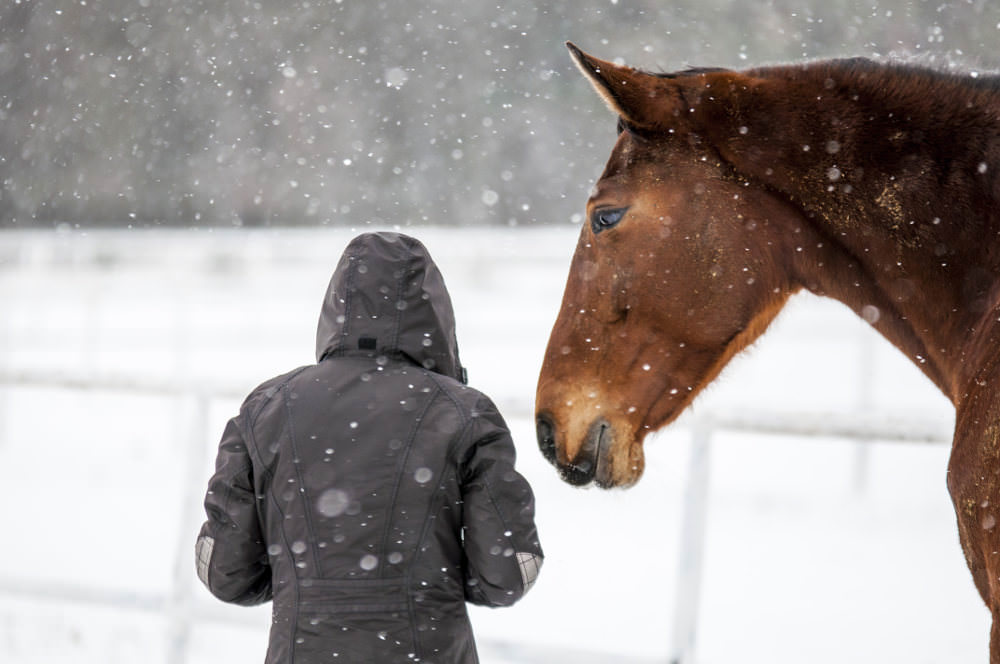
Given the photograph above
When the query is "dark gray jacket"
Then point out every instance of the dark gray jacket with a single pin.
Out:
(372, 494)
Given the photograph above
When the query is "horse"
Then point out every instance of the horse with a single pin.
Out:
(877, 184)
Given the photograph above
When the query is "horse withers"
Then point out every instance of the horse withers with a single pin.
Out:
(727, 192)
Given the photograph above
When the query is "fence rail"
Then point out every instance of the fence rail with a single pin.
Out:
(178, 606)
(859, 425)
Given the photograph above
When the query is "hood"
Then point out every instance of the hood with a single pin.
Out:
(388, 297)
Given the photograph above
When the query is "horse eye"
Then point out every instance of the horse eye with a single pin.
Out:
(606, 218)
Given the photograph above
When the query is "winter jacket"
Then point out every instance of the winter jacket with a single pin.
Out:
(370, 495)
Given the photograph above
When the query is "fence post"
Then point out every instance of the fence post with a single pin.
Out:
(865, 400)
(179, 602)
(690, 558)
(4, 389)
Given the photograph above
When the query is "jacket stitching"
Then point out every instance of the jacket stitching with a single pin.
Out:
(425, 527)
(496, 506)
(352, 269)
(436, 377)
(228, 481)
(303, 492)
(490, 492)
(294, 622)
(399, 477)
(400, 286)
(226, 501)
(254, 413)
(408, 578)
(287, 548)
(432, 512)
(251, 441)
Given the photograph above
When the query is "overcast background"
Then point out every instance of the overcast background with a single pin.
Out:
(122, 353)
(142, 113)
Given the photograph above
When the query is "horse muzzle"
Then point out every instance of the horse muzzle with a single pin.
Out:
(591, 463)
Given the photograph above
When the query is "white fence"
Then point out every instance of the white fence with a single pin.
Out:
(177, 606)
(691, 542)
(88, 313)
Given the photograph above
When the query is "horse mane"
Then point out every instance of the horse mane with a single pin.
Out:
(891, 73)
(691, 71)
(940, 96)
(908, 73)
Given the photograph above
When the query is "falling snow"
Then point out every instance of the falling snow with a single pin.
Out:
(334, 117)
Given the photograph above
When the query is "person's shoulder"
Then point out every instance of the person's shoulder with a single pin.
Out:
(466, 398)
(266, 391)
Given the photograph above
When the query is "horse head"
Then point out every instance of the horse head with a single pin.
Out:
(872, 183)
(678, 267)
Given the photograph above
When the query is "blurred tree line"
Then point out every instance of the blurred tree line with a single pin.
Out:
(345, 112)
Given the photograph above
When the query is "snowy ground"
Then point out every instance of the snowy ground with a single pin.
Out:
(818, 550)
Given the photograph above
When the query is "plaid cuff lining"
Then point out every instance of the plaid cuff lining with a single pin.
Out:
(530, 564)
(203, 557)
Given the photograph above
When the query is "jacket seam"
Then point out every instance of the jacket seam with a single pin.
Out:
(490, 492)
(303, 492)
(294, 622)
(432, 509)
(281, 529)
(352, 269)
(286, 550)
(399, 475)
(408, 577)
(228, 483)
(425, 526)
(249, 438)
(254, 413)
(459, 407)
(400, 281)
(466, 424)
(251, 442)
(496, 506)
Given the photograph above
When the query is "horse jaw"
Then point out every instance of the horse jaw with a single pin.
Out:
(593, 430)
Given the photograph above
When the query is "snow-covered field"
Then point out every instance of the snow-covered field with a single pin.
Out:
(818, 549)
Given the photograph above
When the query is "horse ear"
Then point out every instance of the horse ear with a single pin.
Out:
(644, 100)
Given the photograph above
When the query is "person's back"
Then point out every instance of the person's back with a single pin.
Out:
(372, 494)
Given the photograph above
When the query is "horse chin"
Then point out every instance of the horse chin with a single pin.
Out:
(621, 464)
(621, 480)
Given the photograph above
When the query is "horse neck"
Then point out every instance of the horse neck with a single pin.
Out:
(893, 174)
(904, 220)
(913, 312)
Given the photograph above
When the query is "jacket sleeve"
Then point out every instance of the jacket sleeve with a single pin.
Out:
(502, 551)
(230, 553)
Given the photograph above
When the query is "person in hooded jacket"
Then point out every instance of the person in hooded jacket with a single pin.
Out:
(373, 494)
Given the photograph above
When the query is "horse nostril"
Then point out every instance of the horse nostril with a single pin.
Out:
(581, 470)
(546, 437)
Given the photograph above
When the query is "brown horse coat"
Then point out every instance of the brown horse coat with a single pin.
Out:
(727, 192)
